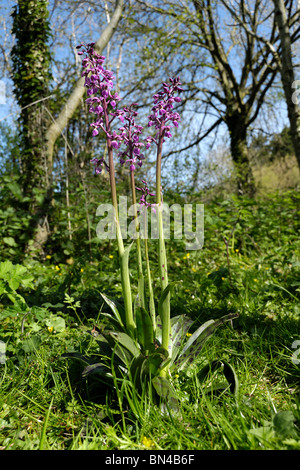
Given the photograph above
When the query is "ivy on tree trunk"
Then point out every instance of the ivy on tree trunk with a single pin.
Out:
(31, 76)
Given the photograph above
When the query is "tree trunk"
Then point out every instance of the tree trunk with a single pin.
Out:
(31, 76)
(287, 75)
(239, 153)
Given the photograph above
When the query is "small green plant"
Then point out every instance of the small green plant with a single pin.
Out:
(12, 278)
(72, 304)
(141, 338)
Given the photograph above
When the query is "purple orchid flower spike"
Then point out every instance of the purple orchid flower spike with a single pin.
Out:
(146, 193)
(101, 98)
(130, 135)
(162, 111)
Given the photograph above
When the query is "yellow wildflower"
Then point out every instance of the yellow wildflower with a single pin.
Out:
(48, 257)
(194, 270)
(50, 329)
(57, 268)
(81, 270)
(189, 334)
(147, 442)
(111, 256)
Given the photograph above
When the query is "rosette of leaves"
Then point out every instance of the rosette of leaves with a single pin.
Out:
(143, 360)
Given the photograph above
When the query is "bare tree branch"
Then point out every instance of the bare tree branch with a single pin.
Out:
(196, 141)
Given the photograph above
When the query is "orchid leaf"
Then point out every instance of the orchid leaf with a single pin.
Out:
(123, 345)
(124, 340)
(104, 346)
(196, 342)
(76, 355)
(157, 360)
(166, 392)
(113, 322)
(136, 370)
(145, 335)
(143, 367)
(180, 325)
(97, 368)
(164, 295)
(179, 328)
(158, 332)
(140, 298)
(116, 308)
(228, 372)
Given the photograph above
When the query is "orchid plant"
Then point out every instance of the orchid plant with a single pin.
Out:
(143, 338)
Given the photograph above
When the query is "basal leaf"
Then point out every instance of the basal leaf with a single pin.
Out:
(125, 340)
(228, 372)
(231, 377)
(122, 345)
(166, 392)
(179, 328)
(196, 342)
(157, 360)
(76, 355)
(97, 368)
(113, 322)
(145, 334)
(139, 371)
(105, 348)
(117, 309)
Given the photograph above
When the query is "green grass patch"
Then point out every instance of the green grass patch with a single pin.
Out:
(250, 264)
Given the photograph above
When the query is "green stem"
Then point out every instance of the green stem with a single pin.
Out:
(150, 287)
(162, 258)
(123, 254)
(141, 284)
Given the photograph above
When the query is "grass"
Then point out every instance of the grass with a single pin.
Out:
(45, 403)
